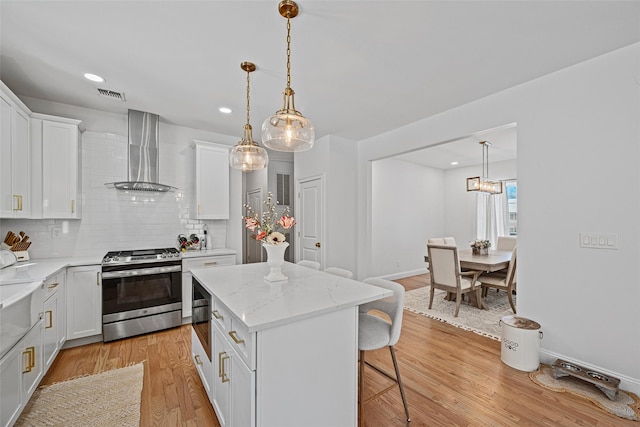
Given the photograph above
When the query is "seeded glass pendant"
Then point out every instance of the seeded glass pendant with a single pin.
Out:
(288, 129)
(248, 155)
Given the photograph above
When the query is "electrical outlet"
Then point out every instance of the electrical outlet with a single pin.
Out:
(56, 232)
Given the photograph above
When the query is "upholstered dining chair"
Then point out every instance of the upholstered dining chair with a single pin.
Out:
(446, 275)
(500, 280)
(375, 332)
(506, 243)
(339, 272)
(446, 241)
(310, 264)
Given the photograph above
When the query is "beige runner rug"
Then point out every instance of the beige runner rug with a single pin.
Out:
(111, 398)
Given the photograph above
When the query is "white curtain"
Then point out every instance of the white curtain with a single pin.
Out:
(491, 216)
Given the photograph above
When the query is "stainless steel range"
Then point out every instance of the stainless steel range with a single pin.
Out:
(141, 292)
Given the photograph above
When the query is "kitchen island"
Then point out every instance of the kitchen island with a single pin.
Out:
(279, 354)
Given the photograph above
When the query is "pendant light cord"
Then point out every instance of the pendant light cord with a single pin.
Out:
(248, 96)
(288, 51)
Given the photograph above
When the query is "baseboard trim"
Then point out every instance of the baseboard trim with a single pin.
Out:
(626, 383)
(404, 274)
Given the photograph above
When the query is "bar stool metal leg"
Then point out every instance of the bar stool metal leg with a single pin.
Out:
(399, 380)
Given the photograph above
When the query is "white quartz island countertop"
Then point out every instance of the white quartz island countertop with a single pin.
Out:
(306, 293)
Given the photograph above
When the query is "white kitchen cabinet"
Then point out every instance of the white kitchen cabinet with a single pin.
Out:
(211, 195)
(84, 301)
(55, 318)
(189, 264)
(21, 369)
(15, 157)
(233, 387)
(203, 365)
(56, 166)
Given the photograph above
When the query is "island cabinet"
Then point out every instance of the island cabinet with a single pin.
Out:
(283, 354)
(15, 156)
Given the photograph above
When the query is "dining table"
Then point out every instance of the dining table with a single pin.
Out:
(494, 260)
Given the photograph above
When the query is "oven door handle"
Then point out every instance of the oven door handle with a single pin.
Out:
(140, 272)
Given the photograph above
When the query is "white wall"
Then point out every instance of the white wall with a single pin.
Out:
(578, 153)
(116, 220)
(407, 209)
(334, 158)
(460, 205)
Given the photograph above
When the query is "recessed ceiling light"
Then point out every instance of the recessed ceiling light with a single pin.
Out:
(454, 163)
(225, 110)
(93, 77)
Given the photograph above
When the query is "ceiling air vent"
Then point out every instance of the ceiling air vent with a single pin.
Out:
(111, 94)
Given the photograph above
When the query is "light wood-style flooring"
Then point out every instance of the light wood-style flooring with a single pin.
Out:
(452, 378)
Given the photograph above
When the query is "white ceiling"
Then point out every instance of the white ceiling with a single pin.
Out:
(359, 68)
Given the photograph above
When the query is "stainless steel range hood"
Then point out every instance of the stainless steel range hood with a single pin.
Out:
(143, 157)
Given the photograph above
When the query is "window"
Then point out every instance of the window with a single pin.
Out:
(512, 207)
(282, 190)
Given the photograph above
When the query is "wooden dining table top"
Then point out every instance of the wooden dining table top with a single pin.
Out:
(493, 261)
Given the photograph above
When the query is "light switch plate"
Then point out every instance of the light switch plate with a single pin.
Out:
(599, 240)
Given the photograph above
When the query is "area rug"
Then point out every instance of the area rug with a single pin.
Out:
(111, 398)
(626, 405)
(482, 322)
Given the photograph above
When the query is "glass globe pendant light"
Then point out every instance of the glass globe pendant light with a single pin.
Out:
(248, 155)
(288, 129)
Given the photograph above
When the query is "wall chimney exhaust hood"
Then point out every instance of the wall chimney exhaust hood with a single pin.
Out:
(142, 156)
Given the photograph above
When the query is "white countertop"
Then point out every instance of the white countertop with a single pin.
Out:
(307, 293)
(41, 269)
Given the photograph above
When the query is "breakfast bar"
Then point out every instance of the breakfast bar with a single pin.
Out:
(278, 354)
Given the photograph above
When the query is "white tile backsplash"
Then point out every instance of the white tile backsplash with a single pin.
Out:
(113, 219)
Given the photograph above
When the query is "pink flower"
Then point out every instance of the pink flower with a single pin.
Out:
(261, 235)
(287, 222)
(251, 223)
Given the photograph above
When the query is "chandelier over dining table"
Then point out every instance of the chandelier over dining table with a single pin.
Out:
(483, 184)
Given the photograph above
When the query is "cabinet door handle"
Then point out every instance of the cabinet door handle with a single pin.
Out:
(31, 359)
(18, 204)
(211, 263)
(217, 314)
(234, 336)
(199, 210)
(98, 279)
(222, 357)
(53, 285)
(198, 361)
(50, 319)
(73, 206)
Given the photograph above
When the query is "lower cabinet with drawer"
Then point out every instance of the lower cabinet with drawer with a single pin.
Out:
(21, 370)
(55, 318)
(189, 264)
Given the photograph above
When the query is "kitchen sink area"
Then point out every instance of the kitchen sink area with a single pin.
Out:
(20, 308)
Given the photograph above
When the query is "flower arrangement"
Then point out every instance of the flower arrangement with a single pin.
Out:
(266, 228)
(480, 244)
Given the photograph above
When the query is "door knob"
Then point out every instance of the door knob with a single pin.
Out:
(317, 244)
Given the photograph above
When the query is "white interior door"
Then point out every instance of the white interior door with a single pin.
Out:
(253, 247)
(309, 213)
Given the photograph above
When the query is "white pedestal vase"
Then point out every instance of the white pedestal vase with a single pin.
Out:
(275, 259)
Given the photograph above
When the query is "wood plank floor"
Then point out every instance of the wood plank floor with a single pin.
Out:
(452, 378)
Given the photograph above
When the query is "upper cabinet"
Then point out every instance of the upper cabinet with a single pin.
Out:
(15, 161)
(211, 195)
(56, 165)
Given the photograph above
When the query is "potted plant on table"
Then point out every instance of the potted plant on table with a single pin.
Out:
(480, 247)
